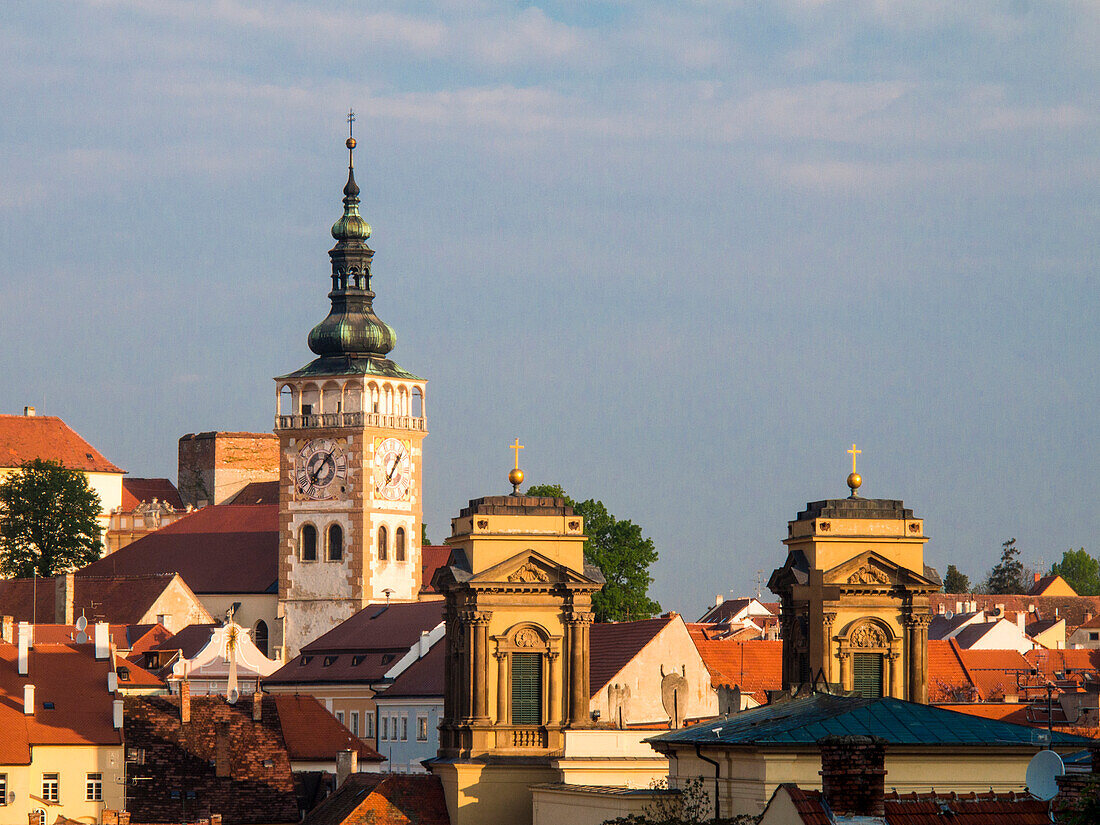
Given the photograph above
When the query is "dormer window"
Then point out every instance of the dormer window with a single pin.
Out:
(328, 661)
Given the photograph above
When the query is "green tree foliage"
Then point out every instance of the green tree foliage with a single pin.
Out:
(1008, 576)
(955, 582)
(424, 535)
(48, 520)
(621, 552)
(1080, 570)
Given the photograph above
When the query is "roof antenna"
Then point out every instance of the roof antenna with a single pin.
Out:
(387, 593)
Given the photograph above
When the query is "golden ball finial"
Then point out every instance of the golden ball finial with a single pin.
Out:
(515, 477)
(350, 143)
(855, 481)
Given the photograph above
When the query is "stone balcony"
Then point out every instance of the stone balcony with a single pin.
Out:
(350, 419)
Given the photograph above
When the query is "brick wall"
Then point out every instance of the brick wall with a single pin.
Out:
(853, 774)
(215, 466)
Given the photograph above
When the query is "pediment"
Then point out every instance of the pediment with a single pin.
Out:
(869, 569)
(529, 569)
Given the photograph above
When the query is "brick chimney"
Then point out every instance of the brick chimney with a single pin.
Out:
(853, 774)
(257, 706)
(29, 413)
(7, 629)
(347, 763)
(63, 584)
(185, 702)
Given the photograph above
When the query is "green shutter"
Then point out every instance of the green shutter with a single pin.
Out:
(867, 674)
(526, 688)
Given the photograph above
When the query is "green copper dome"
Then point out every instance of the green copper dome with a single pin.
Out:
(352, 328)
(351, 227)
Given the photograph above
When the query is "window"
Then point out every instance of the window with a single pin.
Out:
(335, 543)
(385, 728)
(3, 789)
(867, 674)
(1094, 636)
(93, 787)
(382, 549)
(309, 543)
(355, 722)
(259, 636)
(399, 544)
(404, 728)
(370, 726)
(340, 716)
(526, 688)
(421, 728)
(50, 787)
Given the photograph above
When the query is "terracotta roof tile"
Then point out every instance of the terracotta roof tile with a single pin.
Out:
(257, 786)
(257, 492)
(217, 549)
(754, 666)
(121, 600)
(959, 674)
(932, 808)
(1072, 608)
(137, 490)
(432, 557)
(133, 675)
(24, 438)
(1013, 712)
(613, 644)
(312, 733)
(384, 799)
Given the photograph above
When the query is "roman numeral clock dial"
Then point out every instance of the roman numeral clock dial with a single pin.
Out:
(392, 469)
(320, 469)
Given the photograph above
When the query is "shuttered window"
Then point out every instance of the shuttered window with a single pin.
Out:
(867, 674)
(526, 688)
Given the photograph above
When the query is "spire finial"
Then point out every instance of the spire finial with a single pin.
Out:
(350, 143)
(516, 475)
(855, 480)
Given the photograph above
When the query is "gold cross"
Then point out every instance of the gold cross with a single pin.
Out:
(516, 448)
(854, 452)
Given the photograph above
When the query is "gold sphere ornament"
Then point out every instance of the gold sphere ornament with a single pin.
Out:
(350, 143)
(516, 477)
(855, 481)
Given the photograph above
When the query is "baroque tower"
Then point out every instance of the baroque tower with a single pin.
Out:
(854, 597)
(350, 425)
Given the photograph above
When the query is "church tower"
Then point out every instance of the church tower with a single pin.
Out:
(854, 597)
(518, 610)
(350, 426)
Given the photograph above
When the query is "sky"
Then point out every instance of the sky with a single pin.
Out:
(687, 252)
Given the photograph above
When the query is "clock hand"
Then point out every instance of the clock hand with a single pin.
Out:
(393, 468)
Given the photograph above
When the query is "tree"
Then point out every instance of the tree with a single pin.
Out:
(1008, 576)
(1080, 570)
(955, 582)
(48, 520)
(621, 552)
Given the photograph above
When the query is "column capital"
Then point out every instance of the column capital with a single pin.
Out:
(579, 617)
(500, 655)
(828, 618)
(477, 616)
(843, 654)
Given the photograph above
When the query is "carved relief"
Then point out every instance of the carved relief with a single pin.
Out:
(526, 637)
(529, 574)
(868, 575)
(868, 636)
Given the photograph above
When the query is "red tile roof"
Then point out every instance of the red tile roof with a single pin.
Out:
(1052, 662)
(362, 648)
(754, 666)
(1073, 609)
(75, 682)
(384, 799)
(137, 490)
(613, 644)
(311, 733)
(133, 675)
(933, 808)
(257, 492)
(432, 557)
(24, 438)
(958, 674)
(1013, 712)
(1041, 584)
(218, 549)
(122, 599)
(424, 677)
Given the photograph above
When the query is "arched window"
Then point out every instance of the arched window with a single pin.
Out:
(383, 550)
(399, 544)
(309, 543)
(259, 636)
(335, 543)
(286, 401)
(417, 403)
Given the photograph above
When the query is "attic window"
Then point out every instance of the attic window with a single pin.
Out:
(47, 705)
(124, 674)
(388, 657)
(269, 763)
(328, 661)
(357, 660)
(306, 660)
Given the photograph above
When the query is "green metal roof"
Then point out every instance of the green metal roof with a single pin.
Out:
(333, 365)
(805, 720)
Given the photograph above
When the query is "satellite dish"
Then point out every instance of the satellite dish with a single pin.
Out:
(1042, 775)
(81, 623)
(949, 615)
(233, 696)
(81, 638)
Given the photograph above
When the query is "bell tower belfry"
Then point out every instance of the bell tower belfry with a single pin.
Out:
(350, 424)
(854, 597)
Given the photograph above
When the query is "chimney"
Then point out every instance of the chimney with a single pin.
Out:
(7, 629)
(941, 609)
(257, 706)
(63, 584)
(185, 702)
(425, 645)
(853, 774)
(102, 640)
(718, 600)
(1037, 577)
(26, 638)
(347, 763)
(29, 413)
(112, 682)
(109, 817)
(28, 699)
(117, 710)
(215, 819)
(37, 818)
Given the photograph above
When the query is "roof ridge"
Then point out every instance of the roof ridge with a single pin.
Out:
(957, 650)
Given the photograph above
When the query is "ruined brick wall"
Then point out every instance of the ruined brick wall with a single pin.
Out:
(213, 467)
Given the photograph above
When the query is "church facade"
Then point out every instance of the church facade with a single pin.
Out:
(351, 426)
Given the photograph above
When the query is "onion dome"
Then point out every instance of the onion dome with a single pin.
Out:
(351, 227)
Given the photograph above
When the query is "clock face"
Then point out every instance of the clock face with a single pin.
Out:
(392, 469)
(320, 469)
